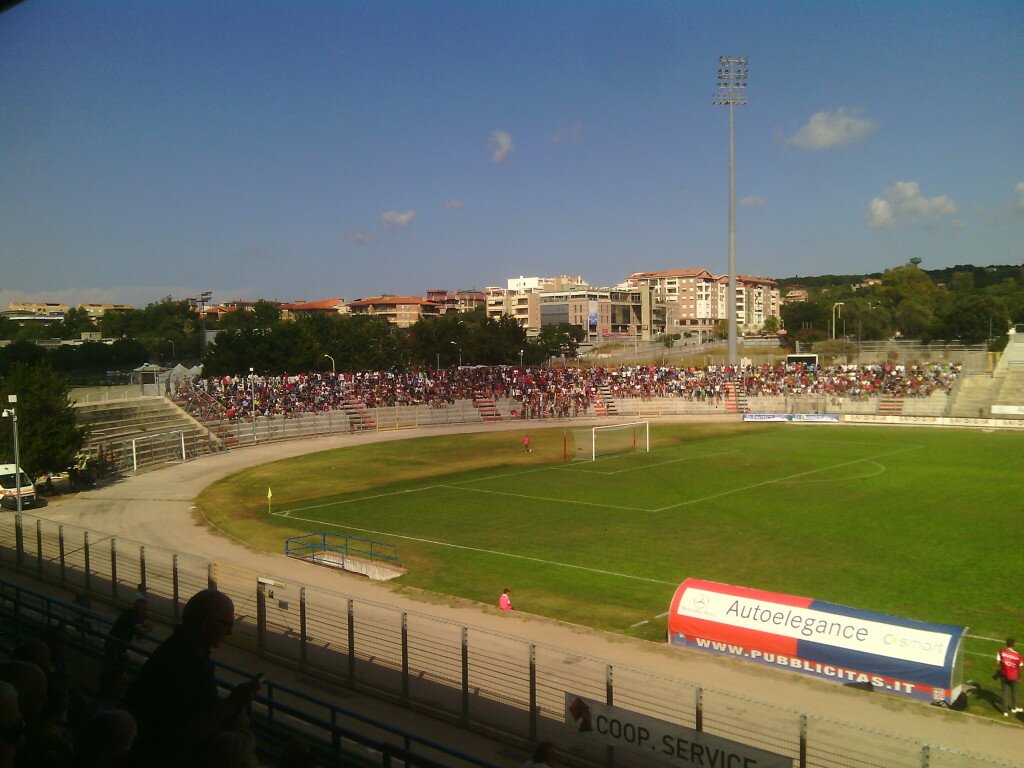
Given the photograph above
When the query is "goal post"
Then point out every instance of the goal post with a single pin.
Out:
(596, 442)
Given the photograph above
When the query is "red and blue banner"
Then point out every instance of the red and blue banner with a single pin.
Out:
(849, 645)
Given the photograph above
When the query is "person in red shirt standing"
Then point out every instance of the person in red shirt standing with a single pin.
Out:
(526, 444)
(1009, 661)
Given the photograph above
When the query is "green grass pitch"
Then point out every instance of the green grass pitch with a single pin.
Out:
(921, 523)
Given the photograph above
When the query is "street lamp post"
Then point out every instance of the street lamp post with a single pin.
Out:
(332, 363)
(456, 345)
(521, 359)
(173, 353)
(732, 84)
(834, 308)
(13, 414)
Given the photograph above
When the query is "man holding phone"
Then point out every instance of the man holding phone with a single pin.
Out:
(175, 699)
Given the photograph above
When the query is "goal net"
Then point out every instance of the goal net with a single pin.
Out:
(598, 442)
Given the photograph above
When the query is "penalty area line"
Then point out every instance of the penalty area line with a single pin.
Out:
(788, 477)
(487, 551)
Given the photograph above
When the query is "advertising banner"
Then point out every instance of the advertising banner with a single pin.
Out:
(797, 418)
(850, 645)
(662, 741)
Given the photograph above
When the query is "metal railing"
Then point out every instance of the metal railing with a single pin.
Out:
(279, 712)
(473, 676)
(313, 546)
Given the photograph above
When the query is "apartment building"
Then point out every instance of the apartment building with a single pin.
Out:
(403, 311)
(694, 300)
(323, 307)
(456, 301)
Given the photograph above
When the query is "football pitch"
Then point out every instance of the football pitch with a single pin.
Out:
(921, 523)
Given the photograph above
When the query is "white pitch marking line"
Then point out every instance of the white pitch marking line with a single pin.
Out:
(491, 552)
(788, 477)
(657, 464)
(364, 498)
(648, 621)
(880, 470)
(547, 498)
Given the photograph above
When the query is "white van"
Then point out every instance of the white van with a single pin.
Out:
(9, 486)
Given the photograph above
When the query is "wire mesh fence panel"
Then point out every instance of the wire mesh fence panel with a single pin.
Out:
(129, 570)
(655, 696)
(160, 584)
(435, 663)
(498, 681)
(939, 757)
(378, 651)
(838, 745)
(751, 721)
(560, 672)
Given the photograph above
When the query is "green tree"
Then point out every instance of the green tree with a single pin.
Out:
(771, 324)
(560, 340)
(76, 321)
(915, 319)
(48, 432)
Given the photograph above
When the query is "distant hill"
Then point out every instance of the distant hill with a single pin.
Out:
(983, 276)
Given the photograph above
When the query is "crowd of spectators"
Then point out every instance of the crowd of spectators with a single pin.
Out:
(167, 714)
(551, 392)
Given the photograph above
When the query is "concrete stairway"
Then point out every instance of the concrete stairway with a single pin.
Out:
(143, 432)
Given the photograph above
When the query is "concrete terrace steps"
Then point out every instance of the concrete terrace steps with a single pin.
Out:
(358, 415)
(735, 399)
(890, 406)
(143, 432)
(975, 396)
(486, 407)
(604, 402)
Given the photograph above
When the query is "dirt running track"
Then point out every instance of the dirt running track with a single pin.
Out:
(156, 509)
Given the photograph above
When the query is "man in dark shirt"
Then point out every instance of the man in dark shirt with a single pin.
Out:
(174, 699)
(130, 626)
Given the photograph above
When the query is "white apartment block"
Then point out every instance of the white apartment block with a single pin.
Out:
(695, 299)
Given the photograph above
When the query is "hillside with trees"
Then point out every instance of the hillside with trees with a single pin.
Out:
(964, 304)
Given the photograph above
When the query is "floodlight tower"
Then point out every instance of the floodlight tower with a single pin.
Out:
(732, 85)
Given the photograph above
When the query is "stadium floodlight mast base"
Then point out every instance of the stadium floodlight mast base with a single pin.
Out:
(732, 84)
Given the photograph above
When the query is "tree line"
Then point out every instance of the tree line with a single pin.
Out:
(969, 305)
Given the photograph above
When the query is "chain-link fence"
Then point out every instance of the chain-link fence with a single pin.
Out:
(474, 675)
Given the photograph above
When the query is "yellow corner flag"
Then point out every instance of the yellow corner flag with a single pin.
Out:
(270, 493)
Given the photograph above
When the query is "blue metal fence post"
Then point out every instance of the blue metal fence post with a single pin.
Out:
(88, 570)
(175, 585)
(351, 640)
(142, 565)
(699, 710)
(803, 741)
(533, 691)
(465, 673)
(39, 546)
(609, 699)
(60, 544)
(113, 567)
(405, 655)
(303, 637)
(19, 541)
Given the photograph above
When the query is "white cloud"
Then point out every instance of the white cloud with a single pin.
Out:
(570, 134)
(833, 129)
(453, 205)
(903, 203)
(752, 201)
(501, 146)
(397, 219)
(362, 238)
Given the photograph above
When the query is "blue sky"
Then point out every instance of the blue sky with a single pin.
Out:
(312, 149)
